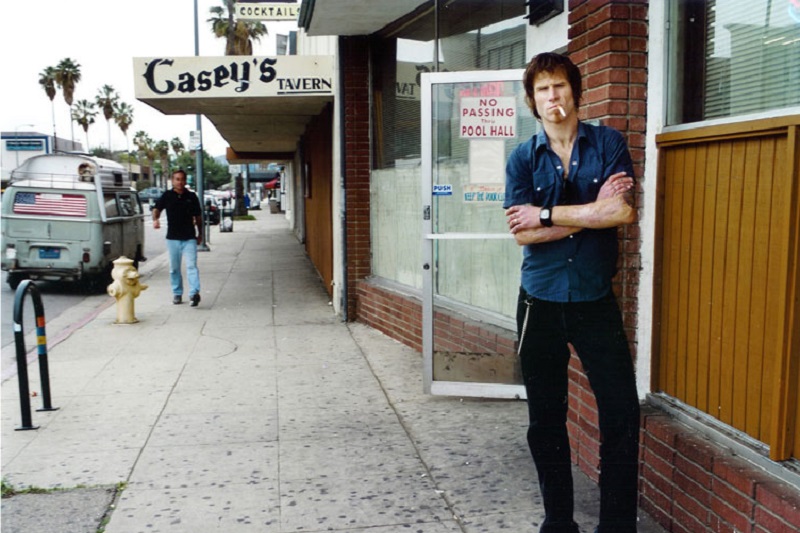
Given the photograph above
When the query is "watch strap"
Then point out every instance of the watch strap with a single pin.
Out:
(546, 216)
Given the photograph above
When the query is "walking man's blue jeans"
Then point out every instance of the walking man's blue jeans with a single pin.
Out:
(595, 331)
(186, 250)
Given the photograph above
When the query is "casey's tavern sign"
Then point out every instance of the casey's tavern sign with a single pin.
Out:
(227, 76)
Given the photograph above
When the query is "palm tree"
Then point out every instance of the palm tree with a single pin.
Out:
(144, 144)
(47, 79)
(106, 98)
(246, 33)
(239, 35)
(83, 113)
(68, 74)
(161, 148)
(123, 116)
(139, 139)
(177, 146)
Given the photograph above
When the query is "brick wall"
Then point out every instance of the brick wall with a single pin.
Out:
(399, 316)
(689, 484)
(608, 42)
(395, 314)
(354, 55)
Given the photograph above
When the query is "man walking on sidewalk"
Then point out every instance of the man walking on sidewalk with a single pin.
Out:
(183, 216)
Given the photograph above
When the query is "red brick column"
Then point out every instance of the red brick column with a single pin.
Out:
(608, 42)
(356, 153)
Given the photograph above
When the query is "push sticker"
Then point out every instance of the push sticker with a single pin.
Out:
(442, 190)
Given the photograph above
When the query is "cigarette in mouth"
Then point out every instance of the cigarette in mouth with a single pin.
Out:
(561, 110)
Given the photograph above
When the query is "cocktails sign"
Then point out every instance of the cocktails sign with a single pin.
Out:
(287, 10)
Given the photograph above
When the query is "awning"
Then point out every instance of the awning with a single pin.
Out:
(260, 105)
(408, 19)
(352, 17)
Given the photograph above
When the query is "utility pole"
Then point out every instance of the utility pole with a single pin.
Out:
(199, 153)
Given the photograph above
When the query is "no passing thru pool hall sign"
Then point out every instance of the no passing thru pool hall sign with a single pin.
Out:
(488, 118)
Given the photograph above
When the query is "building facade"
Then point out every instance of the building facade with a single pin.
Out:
(18, 146)
(708, 280)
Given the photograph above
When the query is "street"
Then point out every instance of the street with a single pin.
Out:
(58, 297)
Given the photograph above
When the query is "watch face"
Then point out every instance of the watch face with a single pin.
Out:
(544, 217)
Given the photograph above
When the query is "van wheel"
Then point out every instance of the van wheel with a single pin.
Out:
(139, 257)
(104, 279)
(14, 280)
(97, 283)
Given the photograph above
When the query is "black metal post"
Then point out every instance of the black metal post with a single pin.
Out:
(22, 360)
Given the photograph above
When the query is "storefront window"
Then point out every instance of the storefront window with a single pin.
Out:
(473, 35)
(732, 57)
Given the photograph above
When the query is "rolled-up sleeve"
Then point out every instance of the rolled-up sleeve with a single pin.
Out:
(519, 177)
(617, 156)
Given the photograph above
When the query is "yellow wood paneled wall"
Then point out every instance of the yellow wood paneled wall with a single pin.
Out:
(318, 195)
(727, 275)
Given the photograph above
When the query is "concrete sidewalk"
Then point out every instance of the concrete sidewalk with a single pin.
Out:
(260, 411)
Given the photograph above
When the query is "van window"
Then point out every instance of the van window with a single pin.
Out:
(126, 205)
(110, 199)
(121, 204)
(49, 203)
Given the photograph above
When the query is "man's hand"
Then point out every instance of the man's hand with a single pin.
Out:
(521, 217)
(198, 222)
(616, 185)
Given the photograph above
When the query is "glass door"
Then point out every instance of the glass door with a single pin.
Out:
(471, 121)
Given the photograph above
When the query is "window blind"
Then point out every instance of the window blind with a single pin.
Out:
(752, 57)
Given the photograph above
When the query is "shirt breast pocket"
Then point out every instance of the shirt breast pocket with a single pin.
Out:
(544, 194)
(587, 188)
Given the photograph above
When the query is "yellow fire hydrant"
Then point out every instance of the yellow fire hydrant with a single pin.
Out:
(125, 289)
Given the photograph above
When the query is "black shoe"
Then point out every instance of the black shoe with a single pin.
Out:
(195, 299)
(176, 299)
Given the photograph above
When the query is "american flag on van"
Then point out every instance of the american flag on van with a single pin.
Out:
(55, 204)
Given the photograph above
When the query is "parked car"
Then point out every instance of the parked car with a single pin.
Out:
(150, 195)
(212, 209)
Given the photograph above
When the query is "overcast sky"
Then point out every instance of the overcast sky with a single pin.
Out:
(103, 36)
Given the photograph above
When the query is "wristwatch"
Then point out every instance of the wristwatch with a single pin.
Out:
(546, 216)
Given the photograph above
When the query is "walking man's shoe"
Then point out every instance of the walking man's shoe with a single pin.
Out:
(195, 299)
(176, 299)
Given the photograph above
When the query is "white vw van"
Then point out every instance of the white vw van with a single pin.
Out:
(67, 217)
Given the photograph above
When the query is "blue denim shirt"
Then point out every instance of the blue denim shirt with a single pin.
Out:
(577, 268)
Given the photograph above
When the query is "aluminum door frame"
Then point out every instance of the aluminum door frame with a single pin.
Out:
(449, 388)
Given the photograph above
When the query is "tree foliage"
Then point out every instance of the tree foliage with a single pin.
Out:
(83, 113)
(177, 146)
(238, 34)
(216, 175)
(123, 116)
(47, 79)
(106, 99)
(68, 74)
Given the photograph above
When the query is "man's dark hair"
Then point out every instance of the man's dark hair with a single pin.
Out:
(179, 171)
(551, 63)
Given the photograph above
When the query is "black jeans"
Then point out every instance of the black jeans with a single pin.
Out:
(595, 331)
